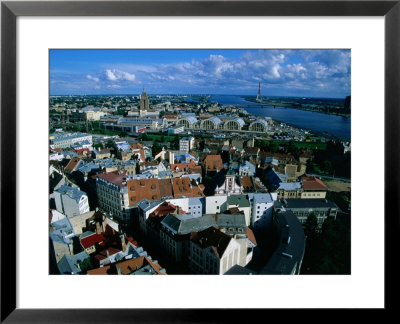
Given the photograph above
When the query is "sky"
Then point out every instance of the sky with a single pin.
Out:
(310, 73)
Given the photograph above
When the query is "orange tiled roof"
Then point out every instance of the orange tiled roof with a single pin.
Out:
(143, 189)
(250, 235)
(165, 186)
(163, 210)
(183, 187)
(212, 162)
(181, 166)
(99, 271)
(136, 146)
(72, 164)
(246, 182)
(313, 183)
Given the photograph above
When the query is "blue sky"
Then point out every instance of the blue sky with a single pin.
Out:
(311, 73)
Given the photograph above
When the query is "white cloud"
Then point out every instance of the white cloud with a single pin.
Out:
(92, 78)
(118, 75)
(113, 86)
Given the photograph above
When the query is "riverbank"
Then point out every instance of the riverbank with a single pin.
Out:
(283, 105)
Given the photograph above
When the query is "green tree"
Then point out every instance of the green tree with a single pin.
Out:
(110, 144)
(98, 146)
(86, 265)
(156, 148)
(311, 226)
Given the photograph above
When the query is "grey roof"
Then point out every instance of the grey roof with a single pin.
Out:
(247, 164)
(62, 224)
(262, 121)
(192, 176)
(72, 192)
(240, 200)
(67, 136)
(85, 234)
(196, 201)
(69, 263)
(229, 220)
(309, 203)
(164, 174)
(290, 251)
(239, 270)
(192, 120)
(184, 225)
(260, 198)
(88, 167)
(146, 205)
(290, 186)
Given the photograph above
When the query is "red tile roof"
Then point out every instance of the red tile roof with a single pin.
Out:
(103, 254)
(143, 189)
(212, 162)
(250, 235)
(181, 166)
(81, 151)
(91, 240)
(184, 187)
(313, 183)
(163, 210)
(72, 164)
(114, 177)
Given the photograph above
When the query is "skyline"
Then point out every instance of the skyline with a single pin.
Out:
(295, 73)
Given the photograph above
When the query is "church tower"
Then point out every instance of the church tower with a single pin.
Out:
(144, 104)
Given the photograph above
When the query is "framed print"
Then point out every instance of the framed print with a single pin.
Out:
(58, 51)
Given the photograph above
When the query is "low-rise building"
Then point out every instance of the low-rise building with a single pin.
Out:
(176, 231)
(65, 140)
(241, 202)
(302, 208)
(247, 169)
(313, 187)
(213, 252)
(262, 206)
(71, 201)
(216, 204)
(289, 190)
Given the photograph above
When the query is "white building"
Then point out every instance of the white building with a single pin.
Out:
(64, 140)
(186, 144)
(112, 193)
(247, 169)
(262, 206)
(213, 252)
(216, 204)
(231, 185)
(71, 201)
(242, 203)
(56, 156)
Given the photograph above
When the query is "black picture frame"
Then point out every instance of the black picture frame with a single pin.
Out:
(10, 10)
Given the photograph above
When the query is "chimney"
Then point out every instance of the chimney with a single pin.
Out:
(108, 254)
(122, 237)
(98, 228)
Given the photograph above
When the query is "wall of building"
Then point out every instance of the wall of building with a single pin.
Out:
(216, 204)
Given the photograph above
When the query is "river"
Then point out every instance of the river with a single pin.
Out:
(314, 121)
